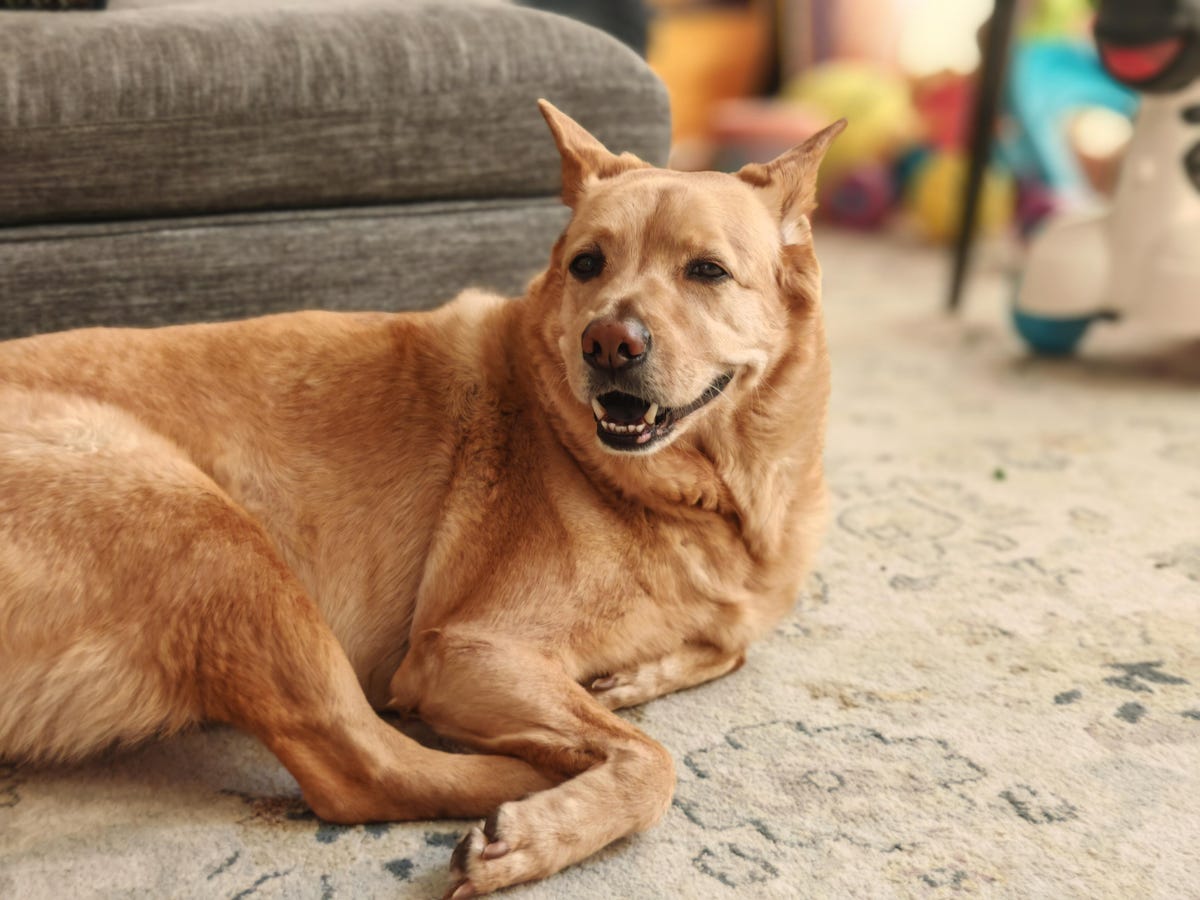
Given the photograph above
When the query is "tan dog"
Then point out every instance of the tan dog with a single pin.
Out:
(507, 517)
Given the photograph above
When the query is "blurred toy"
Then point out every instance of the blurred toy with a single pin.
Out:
(858, 188)
(1036, 202)
(944, 104)
(908, 164)
(747, 131)
(874, 99)
(933, 195)
(934, 198)
(1057, 19)
(1099, 138)
(1138, 257)
(862, 199)
(1050, 82)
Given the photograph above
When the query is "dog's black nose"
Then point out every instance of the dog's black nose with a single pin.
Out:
(615, 343)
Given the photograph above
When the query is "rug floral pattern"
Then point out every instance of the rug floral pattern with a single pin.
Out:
(991, 687)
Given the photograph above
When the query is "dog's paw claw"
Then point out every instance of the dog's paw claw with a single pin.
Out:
(491, 825)
(462, 891)
(460, 858)
(496, 846)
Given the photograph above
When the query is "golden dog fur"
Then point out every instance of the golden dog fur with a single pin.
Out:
(290, 522)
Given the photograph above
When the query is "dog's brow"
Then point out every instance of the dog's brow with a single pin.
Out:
(714, 249)
(703, 251)
(599, 236)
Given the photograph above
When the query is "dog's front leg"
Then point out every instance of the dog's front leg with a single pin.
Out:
(508, 697)
(352, 766)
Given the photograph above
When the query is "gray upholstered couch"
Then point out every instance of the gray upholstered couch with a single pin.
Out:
(185, 160)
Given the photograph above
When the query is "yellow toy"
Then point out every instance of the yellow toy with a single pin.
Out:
(877, 102)
(934, 198)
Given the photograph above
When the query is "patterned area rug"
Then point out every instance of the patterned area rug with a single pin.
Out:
(992, 687)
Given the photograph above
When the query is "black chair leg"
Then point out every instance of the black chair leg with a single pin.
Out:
(987, 101)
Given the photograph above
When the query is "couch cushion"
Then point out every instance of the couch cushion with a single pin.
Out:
(52, 5)
(168, 271)
(159, 108)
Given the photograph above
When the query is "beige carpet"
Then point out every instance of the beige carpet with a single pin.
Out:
(993, 687)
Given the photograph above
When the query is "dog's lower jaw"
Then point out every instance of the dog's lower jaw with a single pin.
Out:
(655, 428)
(644, 441)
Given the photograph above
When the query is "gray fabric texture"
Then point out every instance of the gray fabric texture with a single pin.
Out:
(62, 5)
(219, 106)
(204, 269)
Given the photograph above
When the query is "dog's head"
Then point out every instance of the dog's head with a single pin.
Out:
(673, 295)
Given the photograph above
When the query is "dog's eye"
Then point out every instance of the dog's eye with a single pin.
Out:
(706, 270)
(587, 265)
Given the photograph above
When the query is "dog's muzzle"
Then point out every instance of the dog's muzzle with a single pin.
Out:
(631, 423)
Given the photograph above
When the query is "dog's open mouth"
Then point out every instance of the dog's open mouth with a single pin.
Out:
(626, 422)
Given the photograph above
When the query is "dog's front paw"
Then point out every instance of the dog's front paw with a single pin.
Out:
(470, 873)
(499, 854)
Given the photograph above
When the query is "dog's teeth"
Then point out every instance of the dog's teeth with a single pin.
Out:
(598, 408)
(638, 428)
(651, 414)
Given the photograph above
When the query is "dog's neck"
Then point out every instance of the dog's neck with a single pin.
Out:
(746, 464)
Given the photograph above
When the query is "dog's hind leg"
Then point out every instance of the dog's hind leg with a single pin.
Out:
(503, 695)
(136, 598)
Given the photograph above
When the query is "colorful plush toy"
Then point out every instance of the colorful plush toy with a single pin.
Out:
(875, 98)
(934, 197)
(856, 177)
(1140, 256)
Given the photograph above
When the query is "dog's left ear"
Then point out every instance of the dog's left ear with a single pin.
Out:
(789, 182)
(584, 159)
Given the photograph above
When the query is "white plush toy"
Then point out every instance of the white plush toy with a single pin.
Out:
(1141, 256)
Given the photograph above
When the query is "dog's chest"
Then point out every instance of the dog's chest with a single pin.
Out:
(606, 588)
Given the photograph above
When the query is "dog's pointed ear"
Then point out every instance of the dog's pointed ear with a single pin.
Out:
(789, 182)
(584, 159)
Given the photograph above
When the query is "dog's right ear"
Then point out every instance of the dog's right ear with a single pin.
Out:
(789, 182)
(584, 159)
